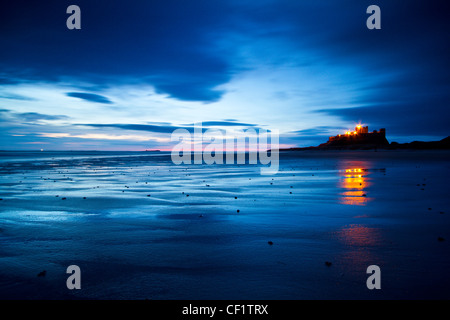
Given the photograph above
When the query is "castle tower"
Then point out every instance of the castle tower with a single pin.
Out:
(360, 129)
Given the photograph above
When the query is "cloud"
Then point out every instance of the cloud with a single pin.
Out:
(168, 128)
(31, 117)
(102, 136)
(319, 130)
(191, 89)
(91, 97)
(399, 118)
(224, 123)
(34, 116)
(136, 127)
(16, 97)
(169, 45)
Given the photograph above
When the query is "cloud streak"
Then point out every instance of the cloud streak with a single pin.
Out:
(168, 128)
(102, 136)
(91, 97)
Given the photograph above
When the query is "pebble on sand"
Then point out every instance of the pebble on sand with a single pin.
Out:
(42, 273)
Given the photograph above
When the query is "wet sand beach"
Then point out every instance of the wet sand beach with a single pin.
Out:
(140, 227)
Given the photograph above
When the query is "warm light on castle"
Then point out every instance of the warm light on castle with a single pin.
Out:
(360, 133)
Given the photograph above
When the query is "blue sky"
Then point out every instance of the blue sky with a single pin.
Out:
(138, 70)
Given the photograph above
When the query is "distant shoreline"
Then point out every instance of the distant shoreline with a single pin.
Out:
(443, 144)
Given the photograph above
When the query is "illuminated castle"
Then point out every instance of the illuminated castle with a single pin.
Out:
(359, 133)
(360, 136)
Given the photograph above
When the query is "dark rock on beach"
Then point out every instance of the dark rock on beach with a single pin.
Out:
(42, 273)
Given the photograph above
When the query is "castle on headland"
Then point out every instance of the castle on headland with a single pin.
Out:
(360, 133)
(362, 139)
(359, 137)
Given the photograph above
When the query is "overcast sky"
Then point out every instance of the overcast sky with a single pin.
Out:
(138, 70)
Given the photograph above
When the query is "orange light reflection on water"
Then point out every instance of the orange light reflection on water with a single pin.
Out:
(354, 181)
(359, 236)
(362, 245)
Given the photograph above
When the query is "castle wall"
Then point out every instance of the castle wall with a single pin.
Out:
(360, 135)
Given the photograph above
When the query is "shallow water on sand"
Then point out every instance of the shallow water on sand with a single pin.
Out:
(140, 227)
